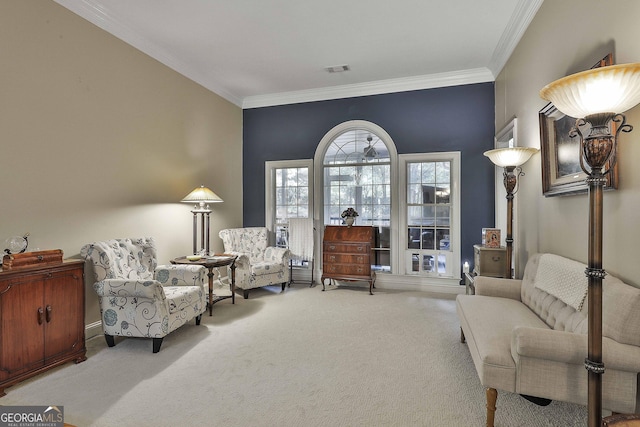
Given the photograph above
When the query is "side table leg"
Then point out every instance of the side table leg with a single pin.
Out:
(210, 291)
(233, 282)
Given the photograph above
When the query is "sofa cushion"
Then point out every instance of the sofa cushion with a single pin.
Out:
(490, 342)
(620, 311)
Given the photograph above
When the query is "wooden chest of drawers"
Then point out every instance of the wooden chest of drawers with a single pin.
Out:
(347, 254)
(489, 261)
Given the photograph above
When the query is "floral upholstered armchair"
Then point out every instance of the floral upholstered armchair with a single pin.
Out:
(258, 264)
(137, 297)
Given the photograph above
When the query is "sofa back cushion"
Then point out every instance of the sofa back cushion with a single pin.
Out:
(122, 258)
(554, 312)
(620, 311)
(620, 305)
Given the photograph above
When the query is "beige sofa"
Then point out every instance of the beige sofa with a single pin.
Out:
(529, 336)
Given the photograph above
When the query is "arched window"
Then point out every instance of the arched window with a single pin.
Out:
(356, 165)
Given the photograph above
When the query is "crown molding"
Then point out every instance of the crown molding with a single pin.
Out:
(92, 11)
(522, 16)
(477, 75)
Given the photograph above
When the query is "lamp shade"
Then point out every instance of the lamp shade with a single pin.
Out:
(202, 195)
(613, 89)
(514, 156)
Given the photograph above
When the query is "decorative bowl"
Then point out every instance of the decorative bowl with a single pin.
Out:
(194, 257)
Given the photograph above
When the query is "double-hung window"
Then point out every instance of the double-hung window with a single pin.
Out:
(430, 216)
(289, 195)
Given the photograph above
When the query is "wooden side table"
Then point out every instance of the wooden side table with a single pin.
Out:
(211, 262)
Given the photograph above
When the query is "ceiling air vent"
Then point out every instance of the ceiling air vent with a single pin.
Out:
(337, 69)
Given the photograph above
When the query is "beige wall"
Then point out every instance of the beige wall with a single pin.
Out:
(98, 140)
(567, 36)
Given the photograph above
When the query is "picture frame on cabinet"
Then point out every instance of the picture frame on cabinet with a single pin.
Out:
(561, 171)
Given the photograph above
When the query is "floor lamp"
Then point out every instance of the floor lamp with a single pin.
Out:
(597, 98)
(511, 159)
(201, 197)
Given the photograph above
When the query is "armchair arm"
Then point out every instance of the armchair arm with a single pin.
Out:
(124, 288)
(497, 287)
(276, 254)
(243, 259)
(181, 275)
(569, 347)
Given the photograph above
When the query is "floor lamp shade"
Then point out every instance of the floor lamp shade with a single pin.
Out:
(201, 197)
(514, 156)
(510, 159)
(596, 97)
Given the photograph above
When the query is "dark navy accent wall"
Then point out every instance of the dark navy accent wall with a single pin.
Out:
(458, 118)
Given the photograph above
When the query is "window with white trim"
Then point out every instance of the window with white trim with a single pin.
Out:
(357, 174)
(431, 212)
(289, 194)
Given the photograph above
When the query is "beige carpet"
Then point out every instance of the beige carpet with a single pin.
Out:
(302, 358)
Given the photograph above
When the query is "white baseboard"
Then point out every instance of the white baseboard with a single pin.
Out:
(93, 330)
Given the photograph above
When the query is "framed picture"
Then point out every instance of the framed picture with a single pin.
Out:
(561, 171)
(491, 237)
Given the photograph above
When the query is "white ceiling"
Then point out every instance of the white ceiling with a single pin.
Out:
(257, 53)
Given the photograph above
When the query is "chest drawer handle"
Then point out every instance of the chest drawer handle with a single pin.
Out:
(332, 258)
(360, 248)
(332, 247)
(495, 258)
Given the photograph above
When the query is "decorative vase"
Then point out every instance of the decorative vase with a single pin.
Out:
(349, 221)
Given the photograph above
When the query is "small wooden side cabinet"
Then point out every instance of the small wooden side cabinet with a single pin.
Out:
(347, 254)
(41, 320)
(489, 261)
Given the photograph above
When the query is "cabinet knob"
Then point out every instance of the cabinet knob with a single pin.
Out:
(48, 314)
(40, 315)
(332, 258)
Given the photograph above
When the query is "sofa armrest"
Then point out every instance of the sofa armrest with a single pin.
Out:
(569, 347)
(126, 288)
(549, 344)
(181, 275)
(497, 287)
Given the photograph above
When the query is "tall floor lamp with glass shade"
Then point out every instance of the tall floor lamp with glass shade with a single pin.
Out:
(511, 159)
(596, 97)
(201, 197)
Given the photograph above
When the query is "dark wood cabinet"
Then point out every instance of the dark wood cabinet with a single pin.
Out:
(347, 254)
(41, 320)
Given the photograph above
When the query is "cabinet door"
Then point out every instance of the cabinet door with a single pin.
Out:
(64, 312)
(21, 330)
